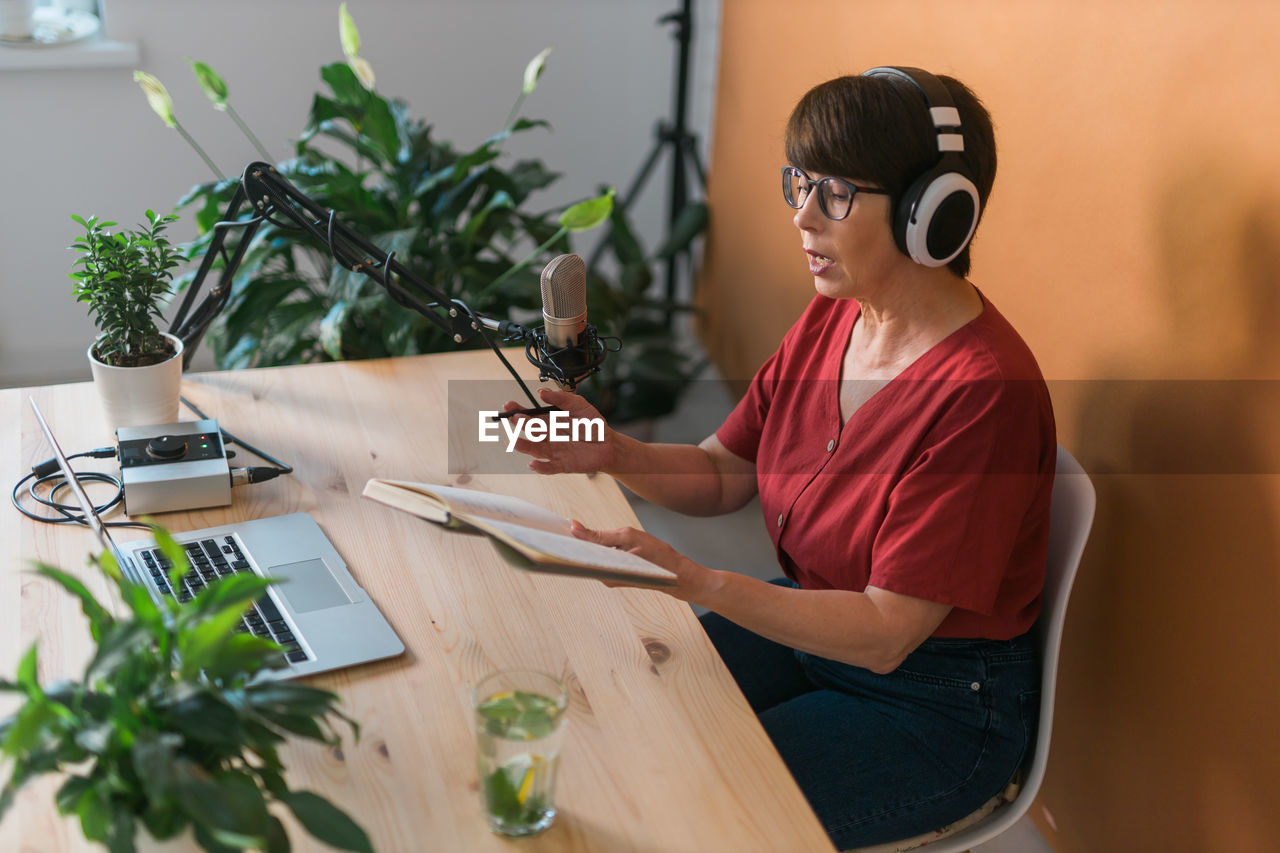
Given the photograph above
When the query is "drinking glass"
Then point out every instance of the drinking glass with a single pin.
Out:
(520, 716)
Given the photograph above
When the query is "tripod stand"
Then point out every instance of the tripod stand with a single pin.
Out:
(684, 148)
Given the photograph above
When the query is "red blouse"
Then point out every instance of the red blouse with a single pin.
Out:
(937, 487)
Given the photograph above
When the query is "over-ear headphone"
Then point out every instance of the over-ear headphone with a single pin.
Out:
(934, 219)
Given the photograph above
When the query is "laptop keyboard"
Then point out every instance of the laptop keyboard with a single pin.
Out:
(214, 558)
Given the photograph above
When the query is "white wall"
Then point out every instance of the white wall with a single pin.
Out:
(84, 141)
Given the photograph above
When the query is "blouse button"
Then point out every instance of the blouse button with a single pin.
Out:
(831, 445)
(781, 517)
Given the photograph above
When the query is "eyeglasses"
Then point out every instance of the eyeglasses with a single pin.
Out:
(835, 195)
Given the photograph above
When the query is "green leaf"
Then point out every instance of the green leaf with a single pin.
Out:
(623, 240)
(289, 696)
(586, 215)
(346, 87)
(323, 111)
(96, 739)
(501, 797)
(95, 813)
(247, 803)
(451, 204)
(348, 35)
(325, 821)
(201, 645)
(690, 222)
(501, 200)
(26, 674)
(28, 729)
(380, 127)
(214, 89)
(164, 821)
(331, 329)
(277, 838)
(152, 757)
(486, 153)
(138, 599)
(229, 594)
(534, 70)
(243, 654)
(116, 648)
(298, 724)
(174, 552)
(70, 792)
(201, 797)
(121, 834)
(531, 175)
(210, 842)
(204, 719)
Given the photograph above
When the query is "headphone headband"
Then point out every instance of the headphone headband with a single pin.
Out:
(942, 110)
(935, 218)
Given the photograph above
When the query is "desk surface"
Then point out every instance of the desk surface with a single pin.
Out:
(663, 753)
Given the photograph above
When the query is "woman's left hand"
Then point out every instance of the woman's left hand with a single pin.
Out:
(695, 580)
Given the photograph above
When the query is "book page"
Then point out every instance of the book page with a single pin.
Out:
(470, 502)
(553, 547)
(413, 501)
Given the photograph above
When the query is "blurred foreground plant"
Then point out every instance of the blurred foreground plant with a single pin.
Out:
(172, 724)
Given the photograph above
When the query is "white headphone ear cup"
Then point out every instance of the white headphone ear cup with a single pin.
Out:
(941, 220)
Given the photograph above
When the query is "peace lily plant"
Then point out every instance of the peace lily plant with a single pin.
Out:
(459, 218)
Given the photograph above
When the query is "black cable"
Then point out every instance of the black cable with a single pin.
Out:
(47, 473)
(263, 474)
(42, 475)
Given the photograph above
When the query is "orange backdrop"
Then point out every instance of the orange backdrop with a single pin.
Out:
(1134, 239)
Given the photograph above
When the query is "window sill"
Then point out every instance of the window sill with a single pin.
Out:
(92, 53)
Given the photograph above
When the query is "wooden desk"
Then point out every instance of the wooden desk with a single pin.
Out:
(663, 753)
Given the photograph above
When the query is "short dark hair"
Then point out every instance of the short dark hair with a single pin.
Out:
(877, 130)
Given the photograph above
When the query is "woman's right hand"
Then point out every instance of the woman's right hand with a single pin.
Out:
(568, 457)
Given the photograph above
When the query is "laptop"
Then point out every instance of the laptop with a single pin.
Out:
(317, 611)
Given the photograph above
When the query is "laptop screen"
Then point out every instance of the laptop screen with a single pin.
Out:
(86, 506)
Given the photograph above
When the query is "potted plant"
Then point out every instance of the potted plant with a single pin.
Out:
(124, 277)
(460, 217)
(171, 730)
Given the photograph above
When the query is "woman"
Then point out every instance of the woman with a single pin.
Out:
(902, 444)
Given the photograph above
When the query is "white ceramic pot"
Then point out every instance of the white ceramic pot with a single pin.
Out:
(139, 396)
(16, 17)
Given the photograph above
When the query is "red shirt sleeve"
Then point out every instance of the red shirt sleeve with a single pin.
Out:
(741, 431)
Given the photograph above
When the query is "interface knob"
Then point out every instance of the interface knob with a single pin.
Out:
(167, 446)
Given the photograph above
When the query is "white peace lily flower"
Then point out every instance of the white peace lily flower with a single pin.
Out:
(347, 33)
(363, 71)
(157, 96)
(533, 70)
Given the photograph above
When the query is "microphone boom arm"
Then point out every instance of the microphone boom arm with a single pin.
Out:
(272, 197)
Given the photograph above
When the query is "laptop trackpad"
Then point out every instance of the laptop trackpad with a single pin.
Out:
(308, 585)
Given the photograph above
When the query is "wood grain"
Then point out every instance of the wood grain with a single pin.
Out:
(663, 753)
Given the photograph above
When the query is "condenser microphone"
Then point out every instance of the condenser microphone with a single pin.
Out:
(564, 316)
(566, 350)
(564, 301)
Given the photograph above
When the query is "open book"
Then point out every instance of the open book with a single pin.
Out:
(528, 536)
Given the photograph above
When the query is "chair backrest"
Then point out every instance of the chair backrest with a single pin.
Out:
(1070, 519)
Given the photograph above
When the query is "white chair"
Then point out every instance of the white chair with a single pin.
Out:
(1070, 519)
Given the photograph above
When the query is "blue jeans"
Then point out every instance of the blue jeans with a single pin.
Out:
(885, 757)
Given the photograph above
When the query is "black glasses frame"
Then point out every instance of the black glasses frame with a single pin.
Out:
(854, 189)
